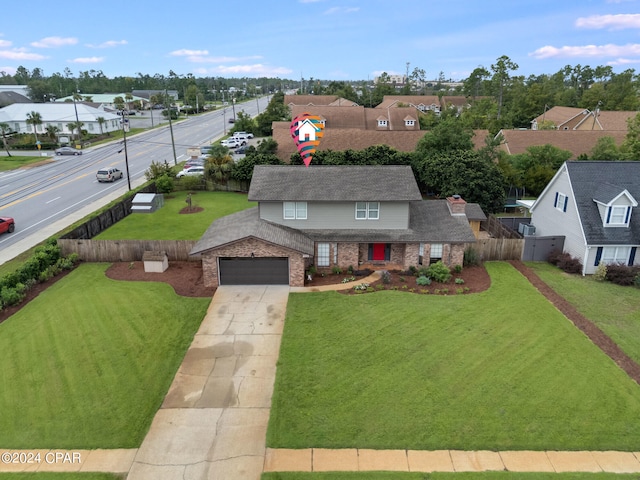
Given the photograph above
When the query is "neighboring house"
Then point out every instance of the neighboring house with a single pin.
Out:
(594, 205)
(59, 115)
(318, 100)
(330, 216)
(107, 100)
(578, 142)
(571, 118)
(9, 97)
(22, 90)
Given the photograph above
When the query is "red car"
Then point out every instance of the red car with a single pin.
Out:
(7, 225)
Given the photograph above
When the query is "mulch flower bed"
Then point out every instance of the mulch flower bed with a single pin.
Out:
(473, 279)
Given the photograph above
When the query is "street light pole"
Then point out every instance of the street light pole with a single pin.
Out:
(173, 143)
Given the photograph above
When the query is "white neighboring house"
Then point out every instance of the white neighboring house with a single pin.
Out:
(595, 206)
(59, 115)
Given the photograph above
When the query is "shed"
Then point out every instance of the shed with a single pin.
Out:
(155, 261)
(147, 202)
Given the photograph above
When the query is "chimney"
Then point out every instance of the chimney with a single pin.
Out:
(456, 205)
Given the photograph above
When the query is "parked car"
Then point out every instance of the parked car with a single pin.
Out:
(243, 134)
(232, 143)
(108, 174)
(206, 149)
(232, 120)
(7, 224)
(195, 162)
(241, 150)
(68, 151)
(191, 172)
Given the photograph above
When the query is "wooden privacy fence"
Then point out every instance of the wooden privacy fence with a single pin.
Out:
(126, 250)
(498, 248)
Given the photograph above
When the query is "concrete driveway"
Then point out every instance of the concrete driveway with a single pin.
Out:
(213, 421)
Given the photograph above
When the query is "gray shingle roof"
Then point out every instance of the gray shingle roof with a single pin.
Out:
(333, 183)
(247, 223)
(590, 179)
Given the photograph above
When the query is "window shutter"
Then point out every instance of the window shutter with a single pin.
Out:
(632, 256)
(608, 214)
(598, 256)
(564, 207)
(626, 219)
(555, 202)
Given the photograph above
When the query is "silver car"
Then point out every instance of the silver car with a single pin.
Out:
(68, 151)
(108, 174)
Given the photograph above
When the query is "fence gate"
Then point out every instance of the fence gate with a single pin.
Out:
(537, 249)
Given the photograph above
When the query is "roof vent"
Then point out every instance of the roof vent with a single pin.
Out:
(456, 197)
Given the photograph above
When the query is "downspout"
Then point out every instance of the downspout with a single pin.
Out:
(586, 256)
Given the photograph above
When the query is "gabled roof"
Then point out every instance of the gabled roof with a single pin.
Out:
(53, 112)
(311, 100)
(333, 183)
(247, 223)
(576, 141)
(561, 115)
(408, 100)
(593, 179)
(606, 120)
(335, 117)
(608, 193)
(9, 97)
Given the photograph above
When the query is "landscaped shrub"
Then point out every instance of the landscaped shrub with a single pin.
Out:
(565, 262)
(386, 277)
(439, 272)
(422, 280)
(10, 296)
(457, 268)
(459, 281)
(622, 274)
(157, 170)
(336, 270)
(164, 184)
(471, 257)
(601, 272)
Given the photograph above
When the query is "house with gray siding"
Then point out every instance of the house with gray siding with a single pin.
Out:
(595, 206)
(332, 216)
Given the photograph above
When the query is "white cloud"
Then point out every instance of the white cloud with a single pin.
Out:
(623, 61)
(108, 44)
(341, 10)
(591, 51)
(21, 54)
(256, 70)
(5, 43)
(8, 70)
(87, 60)
(201, 59)
(54, 42)
(613, 22)
(188, 53)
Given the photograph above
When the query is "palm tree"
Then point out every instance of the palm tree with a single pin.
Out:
(101, 121)
(4, 129)
(219, 164)
(52, 132)
(75, 126)
(35, 119)
(128, 98)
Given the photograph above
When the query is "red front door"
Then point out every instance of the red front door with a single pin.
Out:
(378, 251)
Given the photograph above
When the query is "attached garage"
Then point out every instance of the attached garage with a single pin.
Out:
(253, 270)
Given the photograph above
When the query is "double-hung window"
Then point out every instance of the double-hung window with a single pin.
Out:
(615, 255)
(323, 255)
(618, 215)
(436, 252)
(367, 210)
(561, 202)
(294, 210)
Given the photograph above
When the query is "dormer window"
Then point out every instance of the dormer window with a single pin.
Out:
(409, 123)
(382, 123)
(618, 215)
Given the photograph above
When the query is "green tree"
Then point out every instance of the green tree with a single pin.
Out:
(52, 132)
(606, 149)
(538, 165)
(118, 102)
(35, 119)
(5, 129)
(276, 111)
(101, 121)
(630, 148)
(242, 171)
(243, 123)
(465, 173)
(77, 126)
(500, 78)
(448, 135)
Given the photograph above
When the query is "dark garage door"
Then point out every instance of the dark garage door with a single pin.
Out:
(254, 271)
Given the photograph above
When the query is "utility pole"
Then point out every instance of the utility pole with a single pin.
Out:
(173, 143)
(125, 128)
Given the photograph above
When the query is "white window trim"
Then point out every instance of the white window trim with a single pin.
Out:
(560, 201)
(623, 223)
(320, 261)
(441, 248)
(615, 257)
(382, 123)
(368, 211)
(293, 207)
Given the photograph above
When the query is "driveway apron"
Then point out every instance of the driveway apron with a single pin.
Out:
(213, 421)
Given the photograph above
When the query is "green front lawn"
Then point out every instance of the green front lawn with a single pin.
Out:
(595, 301)
(498, 370)
(89, 361)
(18, 161)
(168, 223)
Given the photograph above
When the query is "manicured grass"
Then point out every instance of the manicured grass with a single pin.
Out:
(168, 224)
(615, 309)
(60, 476)
(444, 476)
(88, 362)
(498, 370)
(16, 161)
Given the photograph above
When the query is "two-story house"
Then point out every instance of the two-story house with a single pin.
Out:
(330, 216)
(595, 206)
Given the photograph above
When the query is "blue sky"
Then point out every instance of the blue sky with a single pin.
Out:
(323, 39)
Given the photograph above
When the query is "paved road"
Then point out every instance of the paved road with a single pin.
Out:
(46, 199)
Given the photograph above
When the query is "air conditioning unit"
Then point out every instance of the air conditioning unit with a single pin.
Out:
(528, 230)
